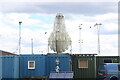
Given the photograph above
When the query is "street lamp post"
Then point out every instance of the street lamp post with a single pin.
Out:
(20, 37)
(32, 45)
(98, 29)
(20, 22)
(80, 41)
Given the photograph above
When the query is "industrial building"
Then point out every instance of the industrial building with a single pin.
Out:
(76, 66)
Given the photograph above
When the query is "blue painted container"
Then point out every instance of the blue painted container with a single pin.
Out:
(10, 67)
(0, 67)
(64, 64)
(17, 66)
(39, 69)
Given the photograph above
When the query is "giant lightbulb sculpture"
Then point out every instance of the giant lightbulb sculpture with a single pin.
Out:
(59, 40)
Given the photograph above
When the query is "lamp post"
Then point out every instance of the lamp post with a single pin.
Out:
(20, 22)
(80, 41)
(20, 37)
(98, 30)
(32, 45)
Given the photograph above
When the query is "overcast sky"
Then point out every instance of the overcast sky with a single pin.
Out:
(38, 18)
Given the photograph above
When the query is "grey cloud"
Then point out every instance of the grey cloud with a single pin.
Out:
(86, 8)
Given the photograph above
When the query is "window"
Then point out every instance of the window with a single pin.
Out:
(108, 61)
(31, 64)
(82, 63)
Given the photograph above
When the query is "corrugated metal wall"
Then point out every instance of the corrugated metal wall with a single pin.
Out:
(44, 64)
(84, 73)
(51, 64)
(0, 67)
(39, 65)
(10, 67)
